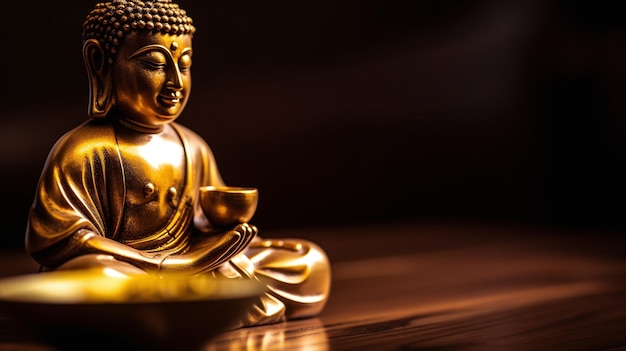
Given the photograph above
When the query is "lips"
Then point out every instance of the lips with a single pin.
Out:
(170, 99)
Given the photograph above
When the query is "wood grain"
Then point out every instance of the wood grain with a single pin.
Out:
(449, 287)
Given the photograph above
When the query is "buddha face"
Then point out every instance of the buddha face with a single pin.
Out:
(151, 78)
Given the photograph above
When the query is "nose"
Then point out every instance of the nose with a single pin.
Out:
(175, 79)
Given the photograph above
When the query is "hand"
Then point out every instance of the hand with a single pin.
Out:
(212, 251)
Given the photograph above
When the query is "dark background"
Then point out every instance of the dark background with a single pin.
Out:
(346, 112)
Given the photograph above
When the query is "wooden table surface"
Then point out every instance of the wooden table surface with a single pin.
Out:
(442, 286)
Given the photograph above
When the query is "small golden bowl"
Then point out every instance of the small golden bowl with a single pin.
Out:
(227, 206)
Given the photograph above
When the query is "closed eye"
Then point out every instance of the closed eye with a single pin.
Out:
(154, 65)
(184, 62)
(152, 59)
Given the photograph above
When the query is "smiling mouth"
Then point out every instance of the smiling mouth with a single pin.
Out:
(171, 99)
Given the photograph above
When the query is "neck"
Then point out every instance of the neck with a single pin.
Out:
(141, 128)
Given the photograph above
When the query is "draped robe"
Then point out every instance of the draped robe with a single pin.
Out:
(83, 186)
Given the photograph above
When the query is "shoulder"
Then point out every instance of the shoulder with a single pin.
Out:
(93, 136)
(87, 131)
(191, 138)
(184, 130)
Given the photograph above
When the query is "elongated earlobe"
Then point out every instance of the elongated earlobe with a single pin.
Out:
(100, 87)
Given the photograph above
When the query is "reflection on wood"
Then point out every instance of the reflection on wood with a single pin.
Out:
(448, 288)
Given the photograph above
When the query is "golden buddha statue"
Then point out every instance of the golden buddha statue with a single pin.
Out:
(121, 191)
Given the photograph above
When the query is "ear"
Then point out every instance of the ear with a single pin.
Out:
(98, 71)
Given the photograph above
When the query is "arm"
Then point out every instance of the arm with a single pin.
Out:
(81, 189)
(87, 242)
(204, 255)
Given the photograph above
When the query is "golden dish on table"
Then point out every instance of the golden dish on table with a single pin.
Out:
(138, 312)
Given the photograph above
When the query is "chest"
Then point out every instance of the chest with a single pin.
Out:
(154, 173)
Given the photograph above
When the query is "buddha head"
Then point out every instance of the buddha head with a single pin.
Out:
(138, 60)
